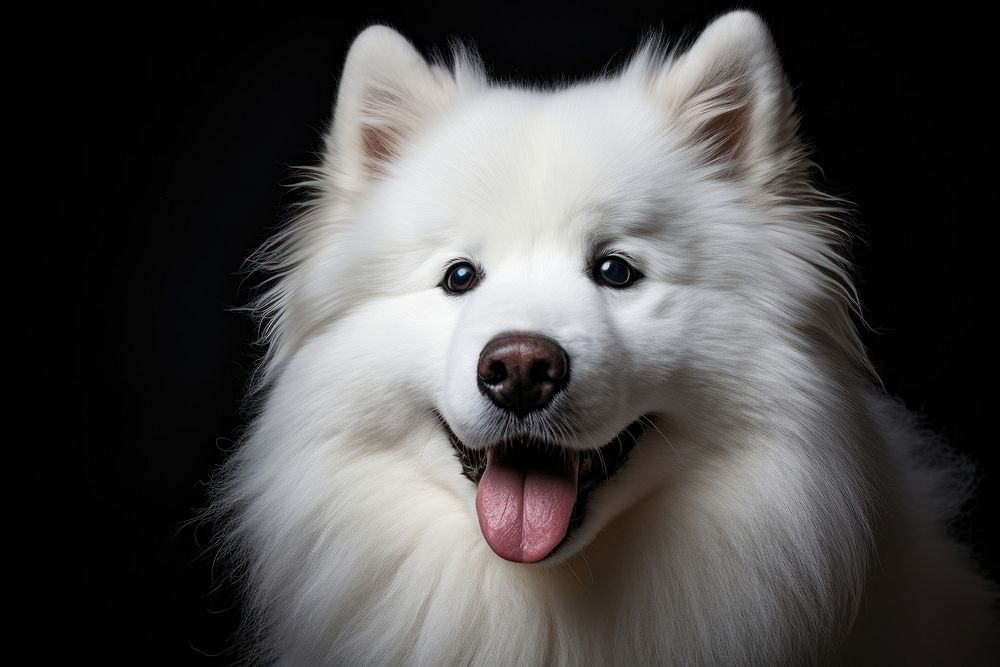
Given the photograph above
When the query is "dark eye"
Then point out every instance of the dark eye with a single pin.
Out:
(614, 271)
(460, 277)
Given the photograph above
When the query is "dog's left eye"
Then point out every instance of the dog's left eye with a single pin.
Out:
(614, 271)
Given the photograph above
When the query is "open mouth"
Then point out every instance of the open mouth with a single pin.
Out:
(531, 495)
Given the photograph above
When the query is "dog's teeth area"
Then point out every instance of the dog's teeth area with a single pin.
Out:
(595, 466)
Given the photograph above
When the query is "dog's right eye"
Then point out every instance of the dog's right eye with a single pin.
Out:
(461, 277)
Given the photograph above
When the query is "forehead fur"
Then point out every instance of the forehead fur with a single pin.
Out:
(516, 162)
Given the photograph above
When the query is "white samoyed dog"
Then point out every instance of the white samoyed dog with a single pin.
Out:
(570, 376)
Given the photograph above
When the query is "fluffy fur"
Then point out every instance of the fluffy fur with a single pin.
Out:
(782, 510)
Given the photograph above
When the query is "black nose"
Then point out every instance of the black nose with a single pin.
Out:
(522, 372)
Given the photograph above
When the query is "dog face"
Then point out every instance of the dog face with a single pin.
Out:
(537, 281)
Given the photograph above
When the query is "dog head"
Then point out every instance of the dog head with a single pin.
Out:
(569, 287)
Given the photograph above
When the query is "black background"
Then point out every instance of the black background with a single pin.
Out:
(167, 140)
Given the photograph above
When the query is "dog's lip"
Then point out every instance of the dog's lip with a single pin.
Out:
(596, 466)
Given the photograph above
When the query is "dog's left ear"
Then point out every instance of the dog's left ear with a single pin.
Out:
(729, 98)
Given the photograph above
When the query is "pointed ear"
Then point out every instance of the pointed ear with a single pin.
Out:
(388, 92)
(729, 97)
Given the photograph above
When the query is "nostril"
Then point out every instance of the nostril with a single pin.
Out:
(550, 368)
(497, 373)
(541, 371)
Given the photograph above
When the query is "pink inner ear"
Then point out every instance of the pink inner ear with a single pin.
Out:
(722, 113)
(378, 150)
(379, 137)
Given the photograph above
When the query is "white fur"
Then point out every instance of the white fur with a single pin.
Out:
(777, 514)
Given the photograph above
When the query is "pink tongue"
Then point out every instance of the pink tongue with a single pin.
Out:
(524, 509)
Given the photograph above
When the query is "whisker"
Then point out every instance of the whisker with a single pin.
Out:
(601, 457)
(664, 437)
(575, 576)
(583, 555)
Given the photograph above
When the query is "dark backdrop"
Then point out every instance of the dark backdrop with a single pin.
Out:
(167, 140)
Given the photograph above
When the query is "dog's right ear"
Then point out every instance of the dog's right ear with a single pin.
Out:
(388, 92)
